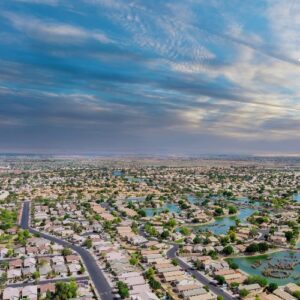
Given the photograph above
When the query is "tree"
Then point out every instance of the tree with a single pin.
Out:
(174, 262)
(296, 294)
(66, 251)
(219, 211)
(257, 279)
(228, 250)
(232, 236)
(289, 235)
(220, 298)
(272, 287)
(142, 213)
(184, 230)
(171, 223)
(149, 273)
(232, 210)
(123, 289)
(220, 279)
(253, 232)
(88, 243)
(252, 248)
(263, 247)
(244, 293)
(233, 265)
(154, 284)
(3, 279)
(165, 234)
(65, 291)
(35, 275)
(197, 240)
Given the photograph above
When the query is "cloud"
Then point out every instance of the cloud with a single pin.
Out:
(44, 2)
(53, 32)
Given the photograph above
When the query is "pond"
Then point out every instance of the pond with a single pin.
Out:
(193, 199)
(296, 197)
(117, 173)
(173, 208)
(283, 264)
(221, 225)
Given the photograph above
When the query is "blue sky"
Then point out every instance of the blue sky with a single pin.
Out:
(163, 77)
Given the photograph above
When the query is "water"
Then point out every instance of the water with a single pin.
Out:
(296, 197)
(117, 173)
(247, 201)
(173, 208)
(192, 199)
(133, 179)
(245, 263)
(222, 225)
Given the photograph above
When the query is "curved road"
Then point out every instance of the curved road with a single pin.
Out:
(217, 290)
(102, 286)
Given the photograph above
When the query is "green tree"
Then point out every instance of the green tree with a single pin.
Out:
(232, 210)
(154, 284)
(65, 291)
(272, 287)
(66, 251)
(123, 289)
(220, 279)
(257, 279)
(142, 213)
(296, 294)
(244, 293)
(184, 230)
(263, 247)
(88, 243)
(252, 248)
(165, 234)
(197, 240)
(149, 273)
(218, 212)
(289, 235)
(228, 250)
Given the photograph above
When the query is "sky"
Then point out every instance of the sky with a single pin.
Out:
(150, 77)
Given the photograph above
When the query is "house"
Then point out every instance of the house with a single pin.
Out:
(252, 289)
(207, 296)
(15, 264)
(3, 252)
(144, 296)
(29, 262)
(11, 293)
(193, 292)
(74, 268)
(58, 260)
(283, 295)
(292, 288)
(30, 292)
(45, 269)
(43, 288)
(265, 296)
(132, 281)
(72, 258)
(14, 274)
(27, 272)
(61, 270)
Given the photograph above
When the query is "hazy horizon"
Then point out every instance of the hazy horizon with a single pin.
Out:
(95, 77)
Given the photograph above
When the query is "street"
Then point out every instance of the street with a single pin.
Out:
(98, 278)
(217, 290)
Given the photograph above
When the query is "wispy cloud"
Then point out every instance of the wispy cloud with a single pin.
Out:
(52, 31)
